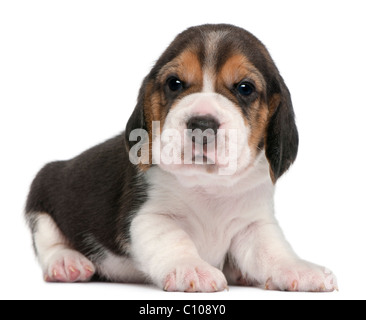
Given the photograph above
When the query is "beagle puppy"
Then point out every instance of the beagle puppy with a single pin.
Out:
(183, 198)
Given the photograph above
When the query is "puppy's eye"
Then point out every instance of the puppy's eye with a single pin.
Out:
(174, 84)
(245, 88)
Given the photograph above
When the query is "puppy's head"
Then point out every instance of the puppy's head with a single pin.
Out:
(215, 99)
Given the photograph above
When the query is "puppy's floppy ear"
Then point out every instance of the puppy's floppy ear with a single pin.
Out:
(137, 119)
(282, 138)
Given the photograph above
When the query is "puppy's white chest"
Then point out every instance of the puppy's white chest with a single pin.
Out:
(210, 217)
(210, 221)
(212, 224)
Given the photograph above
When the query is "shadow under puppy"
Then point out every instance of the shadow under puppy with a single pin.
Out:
(201, 220)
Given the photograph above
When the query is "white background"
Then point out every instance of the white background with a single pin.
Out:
(70, 72)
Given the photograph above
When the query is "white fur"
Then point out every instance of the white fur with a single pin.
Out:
(48, 239)
(208, 82)
(120, 269)
(185, 232)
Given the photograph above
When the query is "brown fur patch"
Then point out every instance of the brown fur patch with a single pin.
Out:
(152, 112)
(259, 116)
(274, 102)
(236, 69)
(188, 69)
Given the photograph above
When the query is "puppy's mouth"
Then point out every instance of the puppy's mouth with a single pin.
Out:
(202, 160)
(204, 153)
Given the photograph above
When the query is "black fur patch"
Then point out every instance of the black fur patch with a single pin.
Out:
(282, 139)
(92, 198)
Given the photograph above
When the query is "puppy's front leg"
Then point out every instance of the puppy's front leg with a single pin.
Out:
(166, 253)
(265, 258)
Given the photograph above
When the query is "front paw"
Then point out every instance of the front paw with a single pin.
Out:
(301, 276)
(195, 276)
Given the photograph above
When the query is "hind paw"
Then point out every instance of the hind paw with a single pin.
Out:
(68, 266)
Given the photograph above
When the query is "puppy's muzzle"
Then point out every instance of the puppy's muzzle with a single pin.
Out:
(203, 129)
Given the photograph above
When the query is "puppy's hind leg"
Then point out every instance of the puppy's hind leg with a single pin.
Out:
(59, 262)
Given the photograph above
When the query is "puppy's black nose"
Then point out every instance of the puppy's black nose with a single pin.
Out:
(208, 126)
(203, 123)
